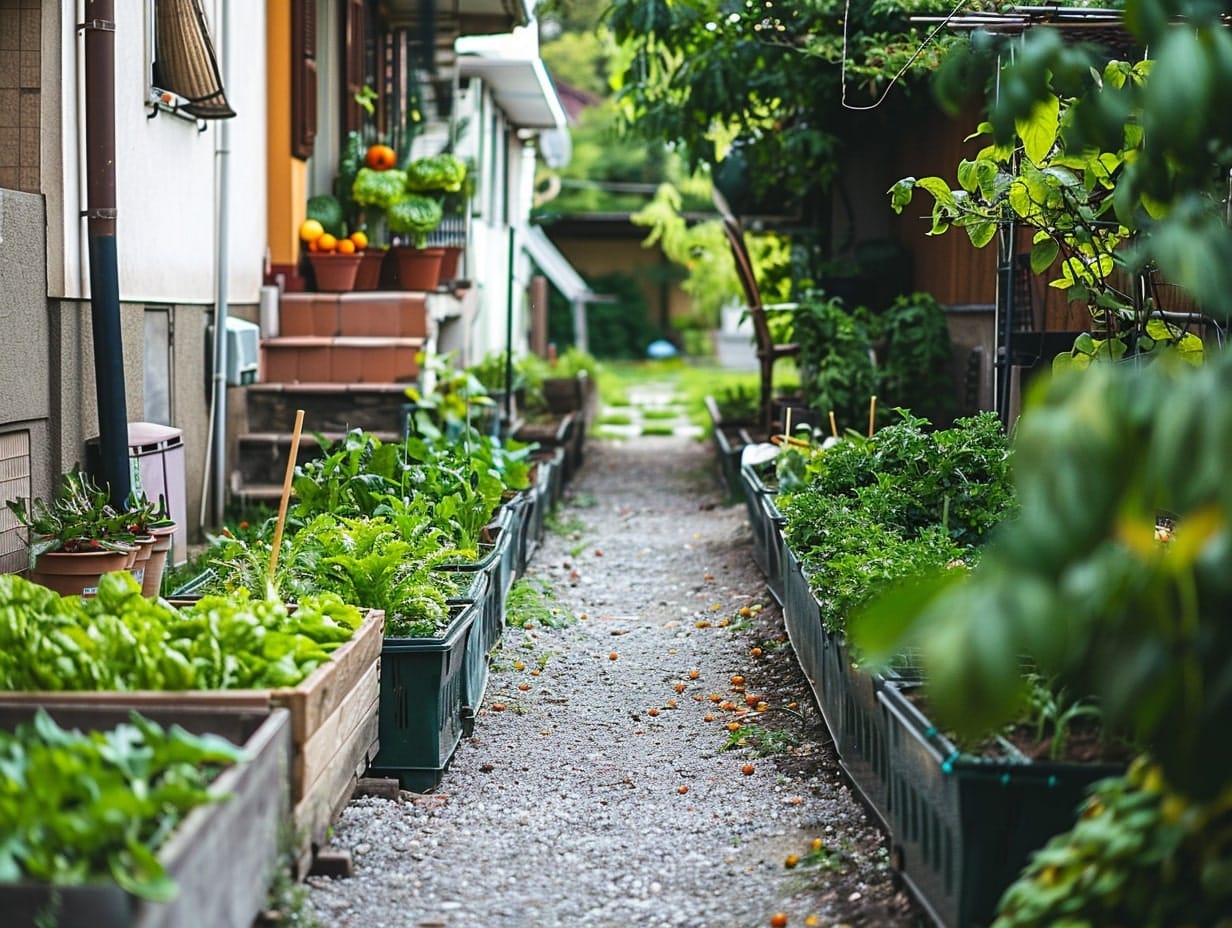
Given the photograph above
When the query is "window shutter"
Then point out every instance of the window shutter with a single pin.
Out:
(303, 77)
(354, 70)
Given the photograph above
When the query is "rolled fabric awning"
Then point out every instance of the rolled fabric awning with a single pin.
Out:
(185, 63)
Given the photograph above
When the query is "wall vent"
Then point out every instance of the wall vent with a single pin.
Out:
(14, 484)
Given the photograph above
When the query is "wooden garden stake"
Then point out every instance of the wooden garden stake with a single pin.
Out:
(872, 413)
(787, 422)
(286, 492)
(833, 425)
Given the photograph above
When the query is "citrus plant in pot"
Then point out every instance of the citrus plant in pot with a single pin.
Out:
(76, 537)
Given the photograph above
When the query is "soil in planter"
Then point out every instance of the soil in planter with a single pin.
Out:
(1085, 741)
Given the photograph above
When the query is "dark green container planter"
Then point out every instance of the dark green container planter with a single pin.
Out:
(422, 695)
(963, 827)
(729, 441)
(766, 523)
(816, 649)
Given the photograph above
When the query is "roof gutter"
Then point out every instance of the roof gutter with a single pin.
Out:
(99, 34)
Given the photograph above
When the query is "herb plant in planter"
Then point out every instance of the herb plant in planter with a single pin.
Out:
(76, 536)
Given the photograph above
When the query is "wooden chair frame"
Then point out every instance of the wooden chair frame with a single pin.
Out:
(767, 349)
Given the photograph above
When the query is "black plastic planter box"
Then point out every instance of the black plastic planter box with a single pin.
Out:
(861, 738)
(729, 441)
(423, 692)
(816, 649)
(963, 826)
(766, 523)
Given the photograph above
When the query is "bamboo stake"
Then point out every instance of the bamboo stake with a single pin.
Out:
(787, 423)
(286, 492)
(833, 425)
(872, 413)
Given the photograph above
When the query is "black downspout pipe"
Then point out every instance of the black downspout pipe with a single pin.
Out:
(99, 26)
(1005, 311)
(509, 294)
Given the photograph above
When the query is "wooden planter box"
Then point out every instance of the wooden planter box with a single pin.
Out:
(964, 826)
(333, 722)
(222, 856)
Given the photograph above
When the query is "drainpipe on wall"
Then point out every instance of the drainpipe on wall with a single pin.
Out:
(218, 427)
(99, 35)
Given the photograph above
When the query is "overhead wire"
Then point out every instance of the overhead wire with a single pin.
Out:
(901, 71)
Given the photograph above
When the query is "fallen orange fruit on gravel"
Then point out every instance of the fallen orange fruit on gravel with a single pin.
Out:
(498, 707)
(778, 920)
(733, 726)
(756, 652)
(748, 770)
(682, 789)
(737, 680)
(613, 656)
(694, 674)
(652, 712)
(523, 687)
(791, 861)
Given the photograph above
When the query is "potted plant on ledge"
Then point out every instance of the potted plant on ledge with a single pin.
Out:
(76, 537)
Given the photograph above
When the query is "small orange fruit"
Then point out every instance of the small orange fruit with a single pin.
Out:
(652, 712)
(682, 789)
(327, 242)
(671, 704)
(523, 687)
(534, 673)
(679, 687)
(498, 707)
(778, 920)
(733, 726)
(694, 674)
(310, 230)
(791, 861)
(518, 665)
(756, 652)
(360, 239)
(381, 157)
(737, 680)
(748, 770)
(715, 697)
(708, 717)
(345, 246)
(751, 700)
(613, 656)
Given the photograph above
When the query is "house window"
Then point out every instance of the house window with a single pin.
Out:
(159, 365)
(184, 75)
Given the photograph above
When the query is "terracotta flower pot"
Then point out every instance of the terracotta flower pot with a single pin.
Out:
(152, 583)
(335, 272)
(141, 558)
(449, 263)
(77, 573)
(419, 268)
(368, 277)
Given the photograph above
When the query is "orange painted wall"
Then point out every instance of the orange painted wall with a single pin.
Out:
(288, 175)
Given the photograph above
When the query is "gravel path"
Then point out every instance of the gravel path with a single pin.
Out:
(601, 794)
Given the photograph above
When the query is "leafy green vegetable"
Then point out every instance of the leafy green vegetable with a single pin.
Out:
(79, 807)
(378, 188)
(443, 173)
(327, 210)
(415, 216)
(120, 641)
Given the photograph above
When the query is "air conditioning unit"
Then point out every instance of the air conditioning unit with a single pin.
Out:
(243, 350)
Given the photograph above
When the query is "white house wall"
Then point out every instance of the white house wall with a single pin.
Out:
(166, 170)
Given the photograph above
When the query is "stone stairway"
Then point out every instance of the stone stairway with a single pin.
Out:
(346, 359)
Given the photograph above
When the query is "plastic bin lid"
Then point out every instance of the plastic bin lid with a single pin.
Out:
(142, 434)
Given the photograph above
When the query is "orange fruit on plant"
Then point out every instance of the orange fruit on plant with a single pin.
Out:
(380, 157)
(360, 239)
(326, 242)
(310, 230)
(345, 246)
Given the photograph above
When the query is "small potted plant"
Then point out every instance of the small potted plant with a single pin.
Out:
(448, 178)
(76, 537)
(151, 520)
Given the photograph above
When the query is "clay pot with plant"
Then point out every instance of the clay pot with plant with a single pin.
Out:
(76, 536)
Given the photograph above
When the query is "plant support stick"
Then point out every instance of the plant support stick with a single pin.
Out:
(286, 493)
(833, 425)
(872, 413)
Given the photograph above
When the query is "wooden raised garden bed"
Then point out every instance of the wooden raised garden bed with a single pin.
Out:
(333, 722)
(222, 856)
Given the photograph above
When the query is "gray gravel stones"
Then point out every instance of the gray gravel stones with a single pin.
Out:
(600, 795)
